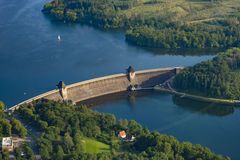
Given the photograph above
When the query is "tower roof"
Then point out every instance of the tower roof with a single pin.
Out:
(61, 84)
(130, 69)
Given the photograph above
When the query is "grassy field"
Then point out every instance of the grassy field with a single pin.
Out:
(94, 146)
(181, 11)
(186, 11)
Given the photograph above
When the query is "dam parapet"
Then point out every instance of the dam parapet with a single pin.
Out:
(105, 85)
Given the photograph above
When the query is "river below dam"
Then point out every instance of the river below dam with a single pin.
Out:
(32, 61)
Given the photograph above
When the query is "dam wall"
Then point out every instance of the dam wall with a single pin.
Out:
(106, 85)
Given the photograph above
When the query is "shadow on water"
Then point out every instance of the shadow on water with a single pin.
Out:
(183, 52)
(203, 108)
(57, 23)
(131, 98)
(186, 104)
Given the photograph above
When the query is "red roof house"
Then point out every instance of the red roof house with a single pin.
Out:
(122, 134)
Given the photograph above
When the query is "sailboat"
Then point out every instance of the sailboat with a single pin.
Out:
(59, 37)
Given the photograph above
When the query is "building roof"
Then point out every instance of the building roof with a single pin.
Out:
(122, 134)
(61, 84)
(130, 69)
(6, 141)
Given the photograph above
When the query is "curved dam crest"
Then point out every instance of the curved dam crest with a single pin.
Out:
(106, 85)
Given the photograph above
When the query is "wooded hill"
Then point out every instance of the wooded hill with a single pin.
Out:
(219, 77)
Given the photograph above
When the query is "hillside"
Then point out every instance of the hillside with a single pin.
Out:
(219, 77)
(154, 23)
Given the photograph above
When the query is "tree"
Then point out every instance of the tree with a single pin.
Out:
(5, 155)
(2, 106)
(60, 153)
(71, 16)
(45, 147)
(28, 152)
(67, 142)
(5, 128)
(18, 128)
(123, 123)
(17, 153)
(78, 142)
(134, 127)
(45, 153)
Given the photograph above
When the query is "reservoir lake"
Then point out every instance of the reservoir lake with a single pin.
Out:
(32, 61)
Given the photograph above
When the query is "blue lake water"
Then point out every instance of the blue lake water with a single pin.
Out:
(32, 61)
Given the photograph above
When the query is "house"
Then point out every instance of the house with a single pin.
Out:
(7, 143)
(122, 134)
(126, 138)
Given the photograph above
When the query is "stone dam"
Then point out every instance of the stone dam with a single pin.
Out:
(106, 85)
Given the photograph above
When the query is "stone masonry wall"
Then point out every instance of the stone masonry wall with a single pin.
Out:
(106, 85)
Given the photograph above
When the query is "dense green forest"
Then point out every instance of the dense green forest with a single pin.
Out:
(185, 37)
(77, 132)
(158, 23)
(219, 77)
(10, 126)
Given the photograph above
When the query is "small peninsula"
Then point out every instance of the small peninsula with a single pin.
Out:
(216, 78)
(158, 23)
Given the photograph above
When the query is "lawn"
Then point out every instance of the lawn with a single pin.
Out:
(94, 146)
(188, 11)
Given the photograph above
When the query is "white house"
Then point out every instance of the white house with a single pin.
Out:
(7, 143)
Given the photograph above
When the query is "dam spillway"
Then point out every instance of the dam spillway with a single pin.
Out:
(96, 87)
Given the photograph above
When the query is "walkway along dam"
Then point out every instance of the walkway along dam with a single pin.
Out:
(106, 85)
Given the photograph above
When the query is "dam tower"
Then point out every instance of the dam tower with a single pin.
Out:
(62, 90)
(131, 73)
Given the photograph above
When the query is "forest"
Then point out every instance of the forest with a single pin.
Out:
(219, 77)
(10, 125)
(187, 37)
(158, 23)
(68, 131)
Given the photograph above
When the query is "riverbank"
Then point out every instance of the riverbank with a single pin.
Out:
(157, 24)
(199, 98)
